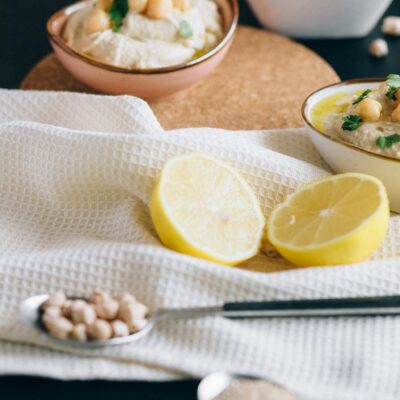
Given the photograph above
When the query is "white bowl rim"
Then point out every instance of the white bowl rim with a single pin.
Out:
(59, 42)
(349, 82)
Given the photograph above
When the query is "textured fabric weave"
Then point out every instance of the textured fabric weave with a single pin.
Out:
(76, 176)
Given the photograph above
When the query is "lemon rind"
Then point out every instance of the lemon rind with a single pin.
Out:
(180, 230)
(382, 193)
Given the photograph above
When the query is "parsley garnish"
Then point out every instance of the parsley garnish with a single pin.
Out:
(393, 83)
(185, 30)
(351, 122)
(117, 13)
(391, 93)
(362, 96)
(385, 142)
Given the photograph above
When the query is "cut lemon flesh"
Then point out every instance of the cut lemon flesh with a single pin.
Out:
(340, 219)
(204, 208)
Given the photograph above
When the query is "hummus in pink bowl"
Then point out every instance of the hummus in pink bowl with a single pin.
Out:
(145, 33)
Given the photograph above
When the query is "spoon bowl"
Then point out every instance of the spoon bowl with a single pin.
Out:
(30, 312)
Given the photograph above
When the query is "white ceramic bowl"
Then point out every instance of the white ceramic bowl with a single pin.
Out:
(346, 157)
(320, 18)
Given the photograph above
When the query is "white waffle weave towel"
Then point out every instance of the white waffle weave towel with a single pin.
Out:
(76, 175)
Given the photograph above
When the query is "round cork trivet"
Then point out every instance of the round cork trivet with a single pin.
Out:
(261, 84)
(244, 389)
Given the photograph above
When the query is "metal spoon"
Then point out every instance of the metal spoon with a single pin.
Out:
(345, 307)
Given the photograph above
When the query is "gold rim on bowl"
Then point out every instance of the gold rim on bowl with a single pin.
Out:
(305, 105)
(57, 40)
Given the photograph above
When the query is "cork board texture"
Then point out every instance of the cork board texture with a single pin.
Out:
(261, 84)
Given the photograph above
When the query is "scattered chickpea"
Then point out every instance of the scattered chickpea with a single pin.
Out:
(369, 110)
(391, 26)
(79, 332)
(396, 114)
(181, 5)
(59, 327)
(120, 328)
(378, 48)
(56, 299)
(138, 6)
(100, 330)
(98, 21)
(159, 9)
(107, 309)
(81, 312)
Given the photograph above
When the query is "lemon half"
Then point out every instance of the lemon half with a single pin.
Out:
(204, 208)
(340, 219)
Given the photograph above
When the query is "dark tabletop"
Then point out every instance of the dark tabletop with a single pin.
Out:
(23, 42)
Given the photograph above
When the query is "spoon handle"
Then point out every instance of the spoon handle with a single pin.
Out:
(361, 306)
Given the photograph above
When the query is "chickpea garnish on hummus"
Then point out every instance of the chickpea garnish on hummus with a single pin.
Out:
(145, 33)
(369, 119)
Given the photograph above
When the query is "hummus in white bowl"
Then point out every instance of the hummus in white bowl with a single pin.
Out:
(145, 33)
(331, 119)
(367, 118)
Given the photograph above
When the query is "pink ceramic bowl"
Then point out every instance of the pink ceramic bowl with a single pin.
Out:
(148, 84)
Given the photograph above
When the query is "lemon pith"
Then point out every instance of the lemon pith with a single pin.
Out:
(340, 219)
(202, 207)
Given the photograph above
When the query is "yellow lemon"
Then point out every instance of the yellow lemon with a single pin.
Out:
(340, 219)
(204, 208)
